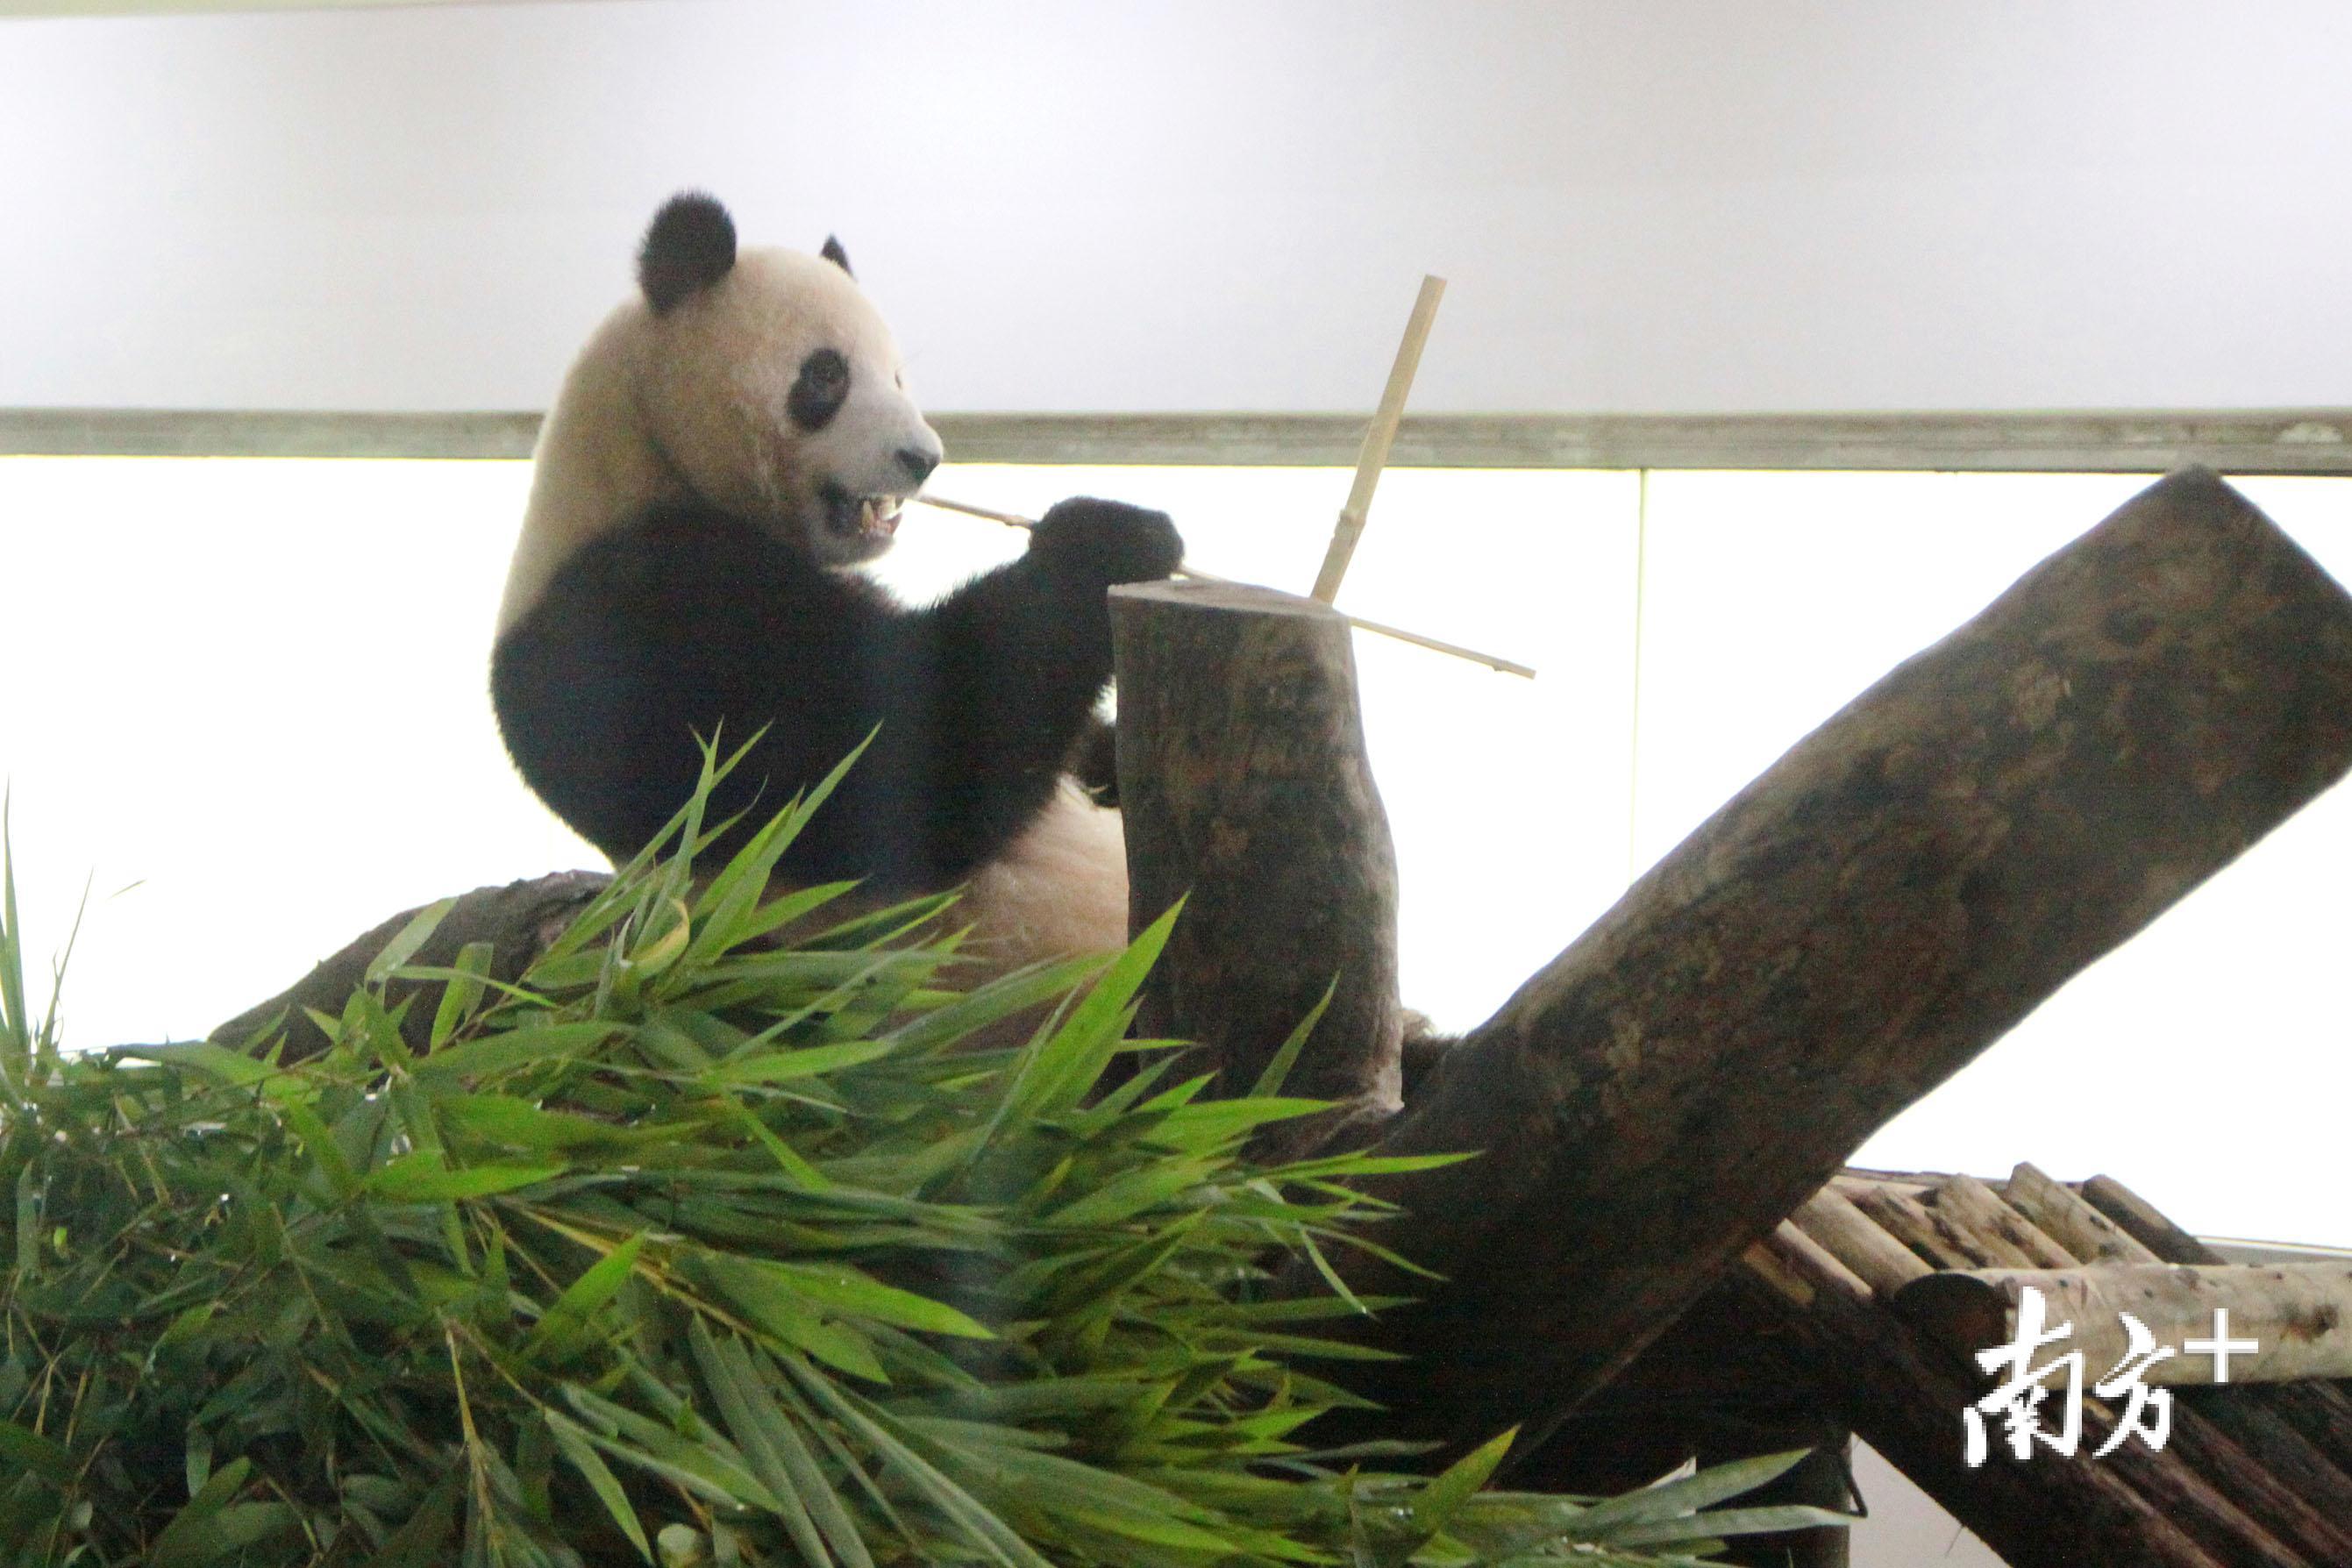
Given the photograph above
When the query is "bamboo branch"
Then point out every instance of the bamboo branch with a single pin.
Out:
(1492, 661)
(1378, 439)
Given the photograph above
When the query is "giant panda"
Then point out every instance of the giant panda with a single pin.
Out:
(730, 446)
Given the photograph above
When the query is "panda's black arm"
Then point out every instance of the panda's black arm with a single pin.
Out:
(692, 625)
(1019, 656)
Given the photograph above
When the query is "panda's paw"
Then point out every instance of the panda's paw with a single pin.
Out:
(1107, 541)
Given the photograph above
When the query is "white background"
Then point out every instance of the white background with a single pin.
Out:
(257, 690)
(1641, 205)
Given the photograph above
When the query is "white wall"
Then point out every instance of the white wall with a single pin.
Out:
(1674, 205)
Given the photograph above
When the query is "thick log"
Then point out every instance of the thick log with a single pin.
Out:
(518, 921)
(1888, 899)
(2298, 1315)
(1245, 790)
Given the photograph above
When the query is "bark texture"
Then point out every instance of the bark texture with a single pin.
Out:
(1245, 790)
(1887, 900)
(518, 921)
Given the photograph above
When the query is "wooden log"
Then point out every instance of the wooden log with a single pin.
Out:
(1245, 790)
(1888, 899)
(2321, 1412)
(2299, 1315)
(518, 921)
(2262, 1422)
(2061, 1213)
(2139, 1220)
(1906, 1217)
(1883, 1263)
(2232, 1449)
(1904, 1397)
(1970, 1206)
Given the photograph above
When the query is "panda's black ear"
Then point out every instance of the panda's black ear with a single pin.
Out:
(690, 246)
(834, 254)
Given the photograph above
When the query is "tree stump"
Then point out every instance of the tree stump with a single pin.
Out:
(1243, 779)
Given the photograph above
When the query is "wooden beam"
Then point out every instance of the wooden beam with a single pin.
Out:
(1887, 900)
(2144, 441)
(2299, 1314)
(2321, 1412)
(1903, 1398)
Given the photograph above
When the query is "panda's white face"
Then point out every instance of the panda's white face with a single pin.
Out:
(777, 392)
(764, 383)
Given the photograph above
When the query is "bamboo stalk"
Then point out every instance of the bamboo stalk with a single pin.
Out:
(1378, 439)
(1492, 661)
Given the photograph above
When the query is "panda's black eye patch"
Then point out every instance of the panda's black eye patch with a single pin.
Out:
(819, 390)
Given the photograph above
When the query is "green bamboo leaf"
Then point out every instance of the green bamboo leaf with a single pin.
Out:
(333, 1164)
(694, 1458)
(734, 1387)
(1056, 1070)
(219, 1061)
(842, 1288)
(560, 1328)
(461, 993)
(1725, 1523)
(405, 945)
(1204, 1124)
(191, 1537)
(23, 1447)
(515, 1122)
(578, 1451)
(1443, 1497)
(1673, 1499)
(530, 1046)
(980, 1525)
(1277, 1068)
(423, 1539)
(782, 1066)
(421, 1177)
(1123, 1197)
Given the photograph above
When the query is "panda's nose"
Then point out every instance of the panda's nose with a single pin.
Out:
(918, 463)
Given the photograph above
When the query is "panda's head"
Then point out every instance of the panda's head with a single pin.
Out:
(771, 386)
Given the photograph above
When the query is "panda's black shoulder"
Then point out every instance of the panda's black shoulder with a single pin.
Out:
(685, 564)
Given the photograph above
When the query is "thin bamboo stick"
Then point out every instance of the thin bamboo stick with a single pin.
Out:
(1378, 440)
(1492, 661)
